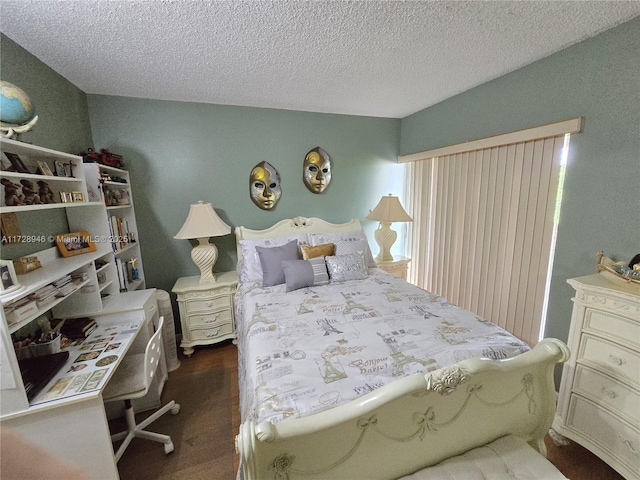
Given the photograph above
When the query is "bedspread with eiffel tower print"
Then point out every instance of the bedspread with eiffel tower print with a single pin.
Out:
(304, 351)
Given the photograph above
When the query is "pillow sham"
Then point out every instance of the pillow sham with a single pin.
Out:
(346, 267)
(271, 260)
(249, 267)
(346, 247)
(320, 238)
(312, 251)
(305, 273)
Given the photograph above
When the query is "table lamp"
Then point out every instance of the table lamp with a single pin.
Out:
(388, 210)
(202, 223)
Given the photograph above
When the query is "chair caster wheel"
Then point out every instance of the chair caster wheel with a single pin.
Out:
(175, 409)
(168, 448)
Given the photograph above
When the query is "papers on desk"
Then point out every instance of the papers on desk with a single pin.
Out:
(90, 362)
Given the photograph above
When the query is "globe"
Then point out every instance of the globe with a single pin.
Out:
(15, 105)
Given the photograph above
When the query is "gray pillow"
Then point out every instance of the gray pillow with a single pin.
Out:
(305, 273)
(346, 267)
(271, 260)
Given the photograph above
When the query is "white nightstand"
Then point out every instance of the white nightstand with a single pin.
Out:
(396, 267)
(206, 310)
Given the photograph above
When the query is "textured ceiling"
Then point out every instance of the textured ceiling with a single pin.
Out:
(374, 58)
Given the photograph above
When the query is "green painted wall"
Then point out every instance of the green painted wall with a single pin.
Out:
(598, 79)
(63, 124)
(179, 153)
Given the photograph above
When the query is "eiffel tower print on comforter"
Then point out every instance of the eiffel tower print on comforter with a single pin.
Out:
(311, 349)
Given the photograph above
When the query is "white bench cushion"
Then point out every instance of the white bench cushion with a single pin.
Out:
(506, 458)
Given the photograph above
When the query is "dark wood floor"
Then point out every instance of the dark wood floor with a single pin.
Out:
(573, 461)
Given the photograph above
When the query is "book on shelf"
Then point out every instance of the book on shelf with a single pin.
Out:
(73, 328)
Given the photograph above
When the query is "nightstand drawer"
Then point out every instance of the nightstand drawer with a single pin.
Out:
(606, 391)
(212, 332)
(206, 305)
(608, 357)
(209, 319)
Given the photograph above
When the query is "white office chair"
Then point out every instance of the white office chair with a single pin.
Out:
(131, 380)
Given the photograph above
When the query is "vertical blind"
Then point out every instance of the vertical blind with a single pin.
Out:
(483, 230)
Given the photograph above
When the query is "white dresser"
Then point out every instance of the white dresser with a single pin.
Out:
(599, 399)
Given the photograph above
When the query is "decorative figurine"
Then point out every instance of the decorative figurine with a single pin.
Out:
(134, 271)
(264, 186)
(29, 192)
(45, 192)
(316, 170)
(11, 197)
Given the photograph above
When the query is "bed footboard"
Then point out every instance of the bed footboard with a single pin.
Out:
(412, 423)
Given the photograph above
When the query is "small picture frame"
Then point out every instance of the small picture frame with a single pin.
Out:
(65, 197)
(8, 278)
(76, 243)
(77, 197)
(44, 169)
(62, 169)
(17, 163)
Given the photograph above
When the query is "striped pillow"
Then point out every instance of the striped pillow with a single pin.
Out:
(305, 273)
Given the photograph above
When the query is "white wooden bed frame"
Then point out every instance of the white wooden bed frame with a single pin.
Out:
(411, 423)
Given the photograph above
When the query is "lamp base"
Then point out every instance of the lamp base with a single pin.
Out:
(385, 238)
(204, 255)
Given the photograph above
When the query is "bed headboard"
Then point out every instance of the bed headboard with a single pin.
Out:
(294, 226)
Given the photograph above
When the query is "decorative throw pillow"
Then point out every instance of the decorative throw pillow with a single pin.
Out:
(335, 237)
(346, 267)
(271, 260)
(312, 251)
(305, 273)
(346, 247)
(250, 267)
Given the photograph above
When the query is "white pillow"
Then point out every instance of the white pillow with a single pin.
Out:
(250, 268)
(335, 237)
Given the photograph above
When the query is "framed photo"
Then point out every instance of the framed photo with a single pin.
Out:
(9, 279)
(77, 197)
(70, 244)
(16, 163)
(44, 169)
(62, 169)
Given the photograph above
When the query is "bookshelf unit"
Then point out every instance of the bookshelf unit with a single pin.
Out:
(98, 288)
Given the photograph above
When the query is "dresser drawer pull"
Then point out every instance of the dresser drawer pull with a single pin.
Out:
(616, 360)
(210, 319)
(629, 446)
(609, 393)
(212, 334)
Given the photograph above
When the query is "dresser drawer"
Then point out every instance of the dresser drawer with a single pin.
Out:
(208, 304)
(608, 392)
(212, 332)
(613, 436)
(209, 319)
(612, 325)
(608, 357)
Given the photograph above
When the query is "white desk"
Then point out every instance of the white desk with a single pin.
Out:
(74, 427)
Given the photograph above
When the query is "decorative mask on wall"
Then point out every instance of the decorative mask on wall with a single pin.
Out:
(316, 172)
(264, 186)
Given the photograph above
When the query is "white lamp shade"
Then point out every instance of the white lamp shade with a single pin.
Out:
(389, 209)
(202, 221)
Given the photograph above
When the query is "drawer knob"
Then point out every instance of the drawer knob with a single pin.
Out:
(616, 360)
(214, 334)
(609, 393)
(210, 319)
(629, 446)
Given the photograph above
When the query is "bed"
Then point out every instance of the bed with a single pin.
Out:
(347, 372)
